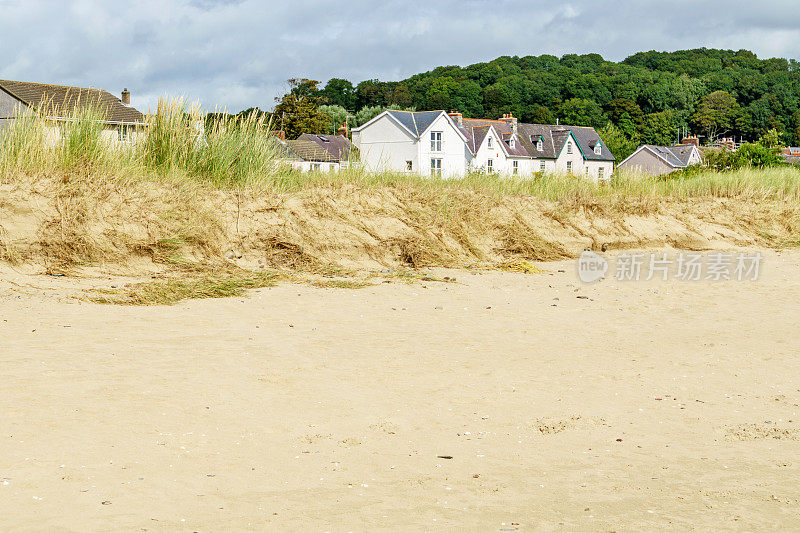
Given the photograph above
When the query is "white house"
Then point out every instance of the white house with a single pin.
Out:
(654, 160)
(426, 142)
(438, 143)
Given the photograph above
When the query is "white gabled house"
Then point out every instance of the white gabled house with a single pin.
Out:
(438, 143)
(426, 143)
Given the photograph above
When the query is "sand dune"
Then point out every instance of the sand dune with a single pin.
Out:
(501, 402)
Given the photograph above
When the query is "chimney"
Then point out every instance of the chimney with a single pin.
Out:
(343, 130)
(511, 120)
(126, 96)
(691, 139)
(458, 117)
(280, 134)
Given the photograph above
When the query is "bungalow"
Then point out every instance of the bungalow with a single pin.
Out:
(654, 160)
(442, 144)
(312, 152)
(57, 102)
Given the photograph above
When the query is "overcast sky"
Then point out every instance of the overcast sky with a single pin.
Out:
(235, 54)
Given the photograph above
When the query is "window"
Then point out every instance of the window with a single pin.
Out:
(436, 141)
(436, 167)
(601, 172)
(542, 167)
(490, 166)
(587, 171)
(512, 143)
(123, 133)
(315, 166)
(515, 167)
(540, 145)
(569, 166)
(489, 142)
(569, 147)
(409, 166)
(598, 149)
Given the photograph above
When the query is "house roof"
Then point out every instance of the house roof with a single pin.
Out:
(676, 156)
(60, 100)
(338, 146)
(305, 150)
(416, 121)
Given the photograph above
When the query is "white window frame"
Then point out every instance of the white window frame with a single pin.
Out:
(540, 145)
(436, 141)
(490, 166)
(489, 142)
(569, 147)
(315, 167)
(601, 172)
(124, 133)
(512, 142)
(598, 149)
(542, 167)
(569, 167)
(436, 166)
(515, 167)
(409, 165)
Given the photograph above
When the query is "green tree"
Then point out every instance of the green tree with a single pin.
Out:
(617, 141)
(581, 112)
(717, 114)
(297, 111)
(339, 92)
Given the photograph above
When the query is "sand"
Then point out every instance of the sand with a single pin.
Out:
(646, 406)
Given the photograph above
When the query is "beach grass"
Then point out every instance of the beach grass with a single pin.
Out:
(190, 192)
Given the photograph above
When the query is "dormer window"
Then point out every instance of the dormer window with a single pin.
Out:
(538, 142)
(598, 149)
(512, 143)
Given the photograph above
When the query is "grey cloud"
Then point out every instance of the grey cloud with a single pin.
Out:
(238, 53)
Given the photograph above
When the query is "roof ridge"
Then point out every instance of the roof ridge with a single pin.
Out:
(54, 85)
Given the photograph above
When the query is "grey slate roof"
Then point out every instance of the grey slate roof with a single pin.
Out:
(60, 100)
(339, 147)
(676, 156)
(416, 121)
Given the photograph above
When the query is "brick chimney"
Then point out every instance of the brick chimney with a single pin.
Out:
(458, 117)
(343, 130)
(126, 96)
(691, 139)
(511, 120)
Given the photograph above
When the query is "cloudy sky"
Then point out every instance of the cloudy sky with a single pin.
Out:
(235, 54)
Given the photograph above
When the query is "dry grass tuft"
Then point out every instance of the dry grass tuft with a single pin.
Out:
(520, 239)
(222, 284)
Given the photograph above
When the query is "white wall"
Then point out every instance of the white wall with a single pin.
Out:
(308, 166)
(454, 154)
(578, 163)
(595, 166)
(385, 146)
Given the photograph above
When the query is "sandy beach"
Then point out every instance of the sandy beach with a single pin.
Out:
(501, 402)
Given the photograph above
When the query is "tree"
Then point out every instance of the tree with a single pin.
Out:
(581, 112)
(337, 116)
(339, 92)
(615, 139)
(717, 114)
(298, 112)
